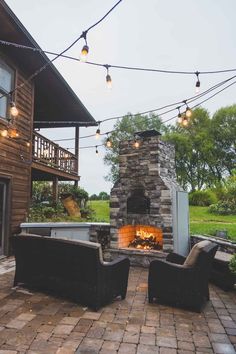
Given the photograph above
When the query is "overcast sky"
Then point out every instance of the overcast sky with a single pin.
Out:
(180, 35)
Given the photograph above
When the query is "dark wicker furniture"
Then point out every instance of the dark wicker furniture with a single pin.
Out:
(72, 269)
(220, 273)
(173, 283)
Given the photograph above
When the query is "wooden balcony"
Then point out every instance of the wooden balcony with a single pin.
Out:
(49, 158)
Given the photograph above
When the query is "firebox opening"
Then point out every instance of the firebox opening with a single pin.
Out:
(141, 237)
(138, 203)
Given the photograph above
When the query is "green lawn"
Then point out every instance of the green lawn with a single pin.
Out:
(201, 221)
(101, 209)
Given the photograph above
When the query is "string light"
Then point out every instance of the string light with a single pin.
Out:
(98, 132)
(108, 142)
(185, 121)
(188, 111)
(13, 133)
(16, 45)
(192, 99)
(28, 144)
(96, 150)
(4, 133)
(179, 119)
(48, 62)
(85, 49)
(13, 110)
(108, 77)
(197, 86)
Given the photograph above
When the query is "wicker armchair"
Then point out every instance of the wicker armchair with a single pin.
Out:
(73, 269)
(180, 281)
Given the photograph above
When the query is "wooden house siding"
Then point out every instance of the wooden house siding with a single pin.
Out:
(15, 156)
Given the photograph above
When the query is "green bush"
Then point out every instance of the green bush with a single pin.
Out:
(223, 208)
(202, 198)
(232, 264)
(79, 194)
(42, 212)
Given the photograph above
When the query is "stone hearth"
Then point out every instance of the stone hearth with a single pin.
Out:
(145, 193)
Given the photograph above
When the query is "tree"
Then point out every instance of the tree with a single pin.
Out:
(223, 131)
(41, 192)
(93, 197)
(103, 196)
(194, 149)
(124, 130)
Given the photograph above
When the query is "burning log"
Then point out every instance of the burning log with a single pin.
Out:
(147, 242)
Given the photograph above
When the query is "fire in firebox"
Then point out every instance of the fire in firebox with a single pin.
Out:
(145, 240)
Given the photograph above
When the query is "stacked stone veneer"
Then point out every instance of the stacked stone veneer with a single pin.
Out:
(150, 168)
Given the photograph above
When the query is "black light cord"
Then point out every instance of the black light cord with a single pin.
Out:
(37, 72)
(169, 119)
(178, 105)
(57, 55)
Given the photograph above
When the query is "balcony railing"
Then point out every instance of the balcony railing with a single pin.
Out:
(50, 154)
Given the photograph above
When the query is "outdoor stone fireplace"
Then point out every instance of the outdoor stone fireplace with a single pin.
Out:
(143, 213)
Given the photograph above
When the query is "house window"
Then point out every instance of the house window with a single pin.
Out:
(6, 85)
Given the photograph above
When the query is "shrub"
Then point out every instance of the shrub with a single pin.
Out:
(232, 264)
(42, 212)
(79, 194)
(223, 208)
(202, 198)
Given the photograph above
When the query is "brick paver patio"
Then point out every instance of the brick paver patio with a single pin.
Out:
(38, 323)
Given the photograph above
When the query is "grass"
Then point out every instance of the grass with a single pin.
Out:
(101, 209)
(201, 221)
(204, 223)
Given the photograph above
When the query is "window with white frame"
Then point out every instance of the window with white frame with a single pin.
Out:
(6, 86)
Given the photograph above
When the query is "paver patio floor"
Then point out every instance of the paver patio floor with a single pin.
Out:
(38, 323)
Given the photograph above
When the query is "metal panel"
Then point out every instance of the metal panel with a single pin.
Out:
(181, 223)
(71, 233)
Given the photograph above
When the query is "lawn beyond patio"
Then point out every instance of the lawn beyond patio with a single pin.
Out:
(201, 221)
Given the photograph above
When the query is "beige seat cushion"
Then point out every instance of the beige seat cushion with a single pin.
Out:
(194, 253)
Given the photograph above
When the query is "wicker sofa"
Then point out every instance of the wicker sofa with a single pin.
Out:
(73, 269)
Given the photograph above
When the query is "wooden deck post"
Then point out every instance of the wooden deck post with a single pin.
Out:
(55, 190)
(77, 151)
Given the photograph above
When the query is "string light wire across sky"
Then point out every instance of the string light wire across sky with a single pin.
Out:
(181, 36)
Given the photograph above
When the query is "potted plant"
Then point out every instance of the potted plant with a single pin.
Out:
(232, 264)
(232, 272)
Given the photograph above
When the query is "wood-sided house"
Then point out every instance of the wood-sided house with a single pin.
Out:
(45, 101)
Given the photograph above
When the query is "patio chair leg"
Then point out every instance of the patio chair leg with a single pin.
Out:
(150, 299)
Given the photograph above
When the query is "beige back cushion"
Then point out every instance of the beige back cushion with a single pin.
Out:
(194, 253)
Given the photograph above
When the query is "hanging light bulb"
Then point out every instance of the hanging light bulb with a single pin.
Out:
(13, 110)
(98, 132)
(188, 111)
(109, 81)
(96, 150)
(185, 121)
(13, 133)
(108, 77)
(108, 143)
(85, 49)
(84, 53)
(4, 133)
(180, 118)
(197, 86)
(136, 144)
(28, 143)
